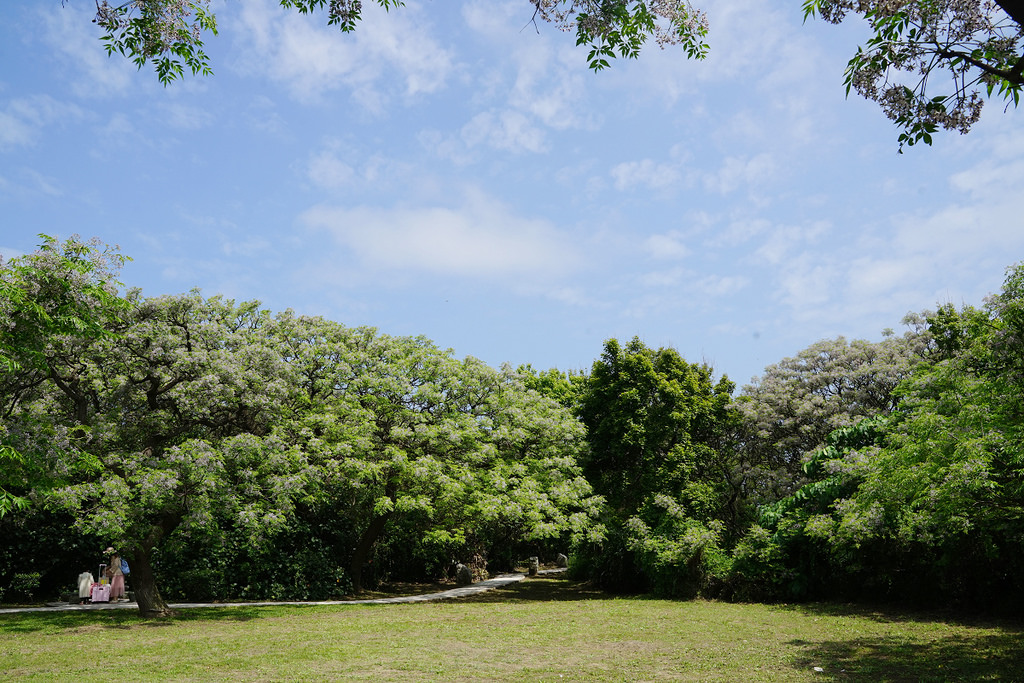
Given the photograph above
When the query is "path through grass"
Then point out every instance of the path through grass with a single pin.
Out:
(540, 629)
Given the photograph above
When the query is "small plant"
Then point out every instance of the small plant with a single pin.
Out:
(23, 586)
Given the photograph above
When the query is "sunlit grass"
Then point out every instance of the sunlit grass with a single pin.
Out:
(540, 629)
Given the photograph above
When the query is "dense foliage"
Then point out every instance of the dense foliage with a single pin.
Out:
(228, 435)
(926, 503)
(789, 411)
(234, 453)
(656, 426)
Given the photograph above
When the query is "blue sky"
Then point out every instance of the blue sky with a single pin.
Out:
(448, 170)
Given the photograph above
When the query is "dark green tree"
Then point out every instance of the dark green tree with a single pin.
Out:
(656, 429)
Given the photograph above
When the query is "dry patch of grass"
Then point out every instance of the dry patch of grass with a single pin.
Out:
(539, 629)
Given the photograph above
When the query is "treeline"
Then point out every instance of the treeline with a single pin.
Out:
(229, 452)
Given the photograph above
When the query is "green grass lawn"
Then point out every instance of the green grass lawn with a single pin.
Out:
(540, 629)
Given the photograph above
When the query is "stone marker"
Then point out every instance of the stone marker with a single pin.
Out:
(463, 575)
(534, 566)
(561, 561)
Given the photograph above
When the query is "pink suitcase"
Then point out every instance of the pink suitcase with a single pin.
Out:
(101, 593)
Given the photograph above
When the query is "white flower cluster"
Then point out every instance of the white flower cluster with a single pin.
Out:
(676, 20)
(170, 21)
(965, 47)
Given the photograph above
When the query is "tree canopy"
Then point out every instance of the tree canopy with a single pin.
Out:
(169, 34)
(656, 427)
(928, 64)
(62, 291)
(927, 501)
(266, 455)
(180, 417)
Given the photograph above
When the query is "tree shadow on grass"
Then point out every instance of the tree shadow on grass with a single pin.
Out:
(119, 619)
(542, 589)
(535, 589)
(888, 613)
(995, 657)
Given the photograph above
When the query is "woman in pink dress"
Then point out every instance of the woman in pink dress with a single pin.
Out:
(116, 576)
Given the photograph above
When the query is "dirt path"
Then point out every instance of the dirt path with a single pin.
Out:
(461, 591)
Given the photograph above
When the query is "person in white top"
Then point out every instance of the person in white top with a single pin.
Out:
(85, 582)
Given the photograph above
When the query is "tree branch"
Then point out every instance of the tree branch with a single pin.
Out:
(1013, 75)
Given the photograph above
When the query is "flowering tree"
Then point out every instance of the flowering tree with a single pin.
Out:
(184, 416)
(63, 291)
(944, 494)
(458, 454)
(924, 503)
(960, 48)
(790, 410)
(154, 428)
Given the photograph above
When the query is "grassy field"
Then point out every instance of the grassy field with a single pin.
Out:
(541, 629)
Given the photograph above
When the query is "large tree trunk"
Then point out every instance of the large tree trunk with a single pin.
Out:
(143, 583)
(1013, 10)
(364, 548)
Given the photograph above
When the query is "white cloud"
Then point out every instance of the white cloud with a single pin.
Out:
(14, 130)
(717, 286)
(72, 34)
(549, 85)
(246, 248)
(571, 296)
(782, 241)
(44, 184)
(502, 129)
(744, 35)
(310, 58)
(339, 166)
(664, 278)
(648, 173)
(868, 277)
(806, 283)
(263, 115)
(737, 232)
(540, 84)
(693, 287)
(736, 172)
(508, 130)
(23, 118)
(998, 178)
(874, 278)
(480, 239)
(666, 246)
(186, 117)
(327, 171)
(495, 21)
(27, 183)
(766, 82)
(747, 40)
(985, 214)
